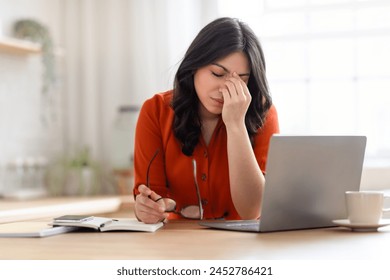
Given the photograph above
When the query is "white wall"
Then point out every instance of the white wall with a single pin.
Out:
(115, 53)
(30, 125)
(120, 53)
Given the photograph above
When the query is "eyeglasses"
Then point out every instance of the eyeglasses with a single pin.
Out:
(194, 212)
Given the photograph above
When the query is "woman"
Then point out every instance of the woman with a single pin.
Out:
(215, 125)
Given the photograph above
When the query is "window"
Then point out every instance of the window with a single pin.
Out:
(328, 65)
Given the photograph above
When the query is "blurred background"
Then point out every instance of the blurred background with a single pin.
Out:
(74, 73)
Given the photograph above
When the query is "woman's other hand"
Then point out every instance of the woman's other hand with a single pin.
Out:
(147, 210)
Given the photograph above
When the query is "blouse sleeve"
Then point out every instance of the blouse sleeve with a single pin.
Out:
(262, 140)
(148, 142)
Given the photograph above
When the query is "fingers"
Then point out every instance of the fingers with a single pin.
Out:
(236, 87)
(236, 91)
(145, 191)
(146, 208)
(225, 93)
(150, 218)
(236, 98)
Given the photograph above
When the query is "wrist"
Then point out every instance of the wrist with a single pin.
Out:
(236, 127)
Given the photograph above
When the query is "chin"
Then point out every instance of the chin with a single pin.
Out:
(215, 111)
(211, 110)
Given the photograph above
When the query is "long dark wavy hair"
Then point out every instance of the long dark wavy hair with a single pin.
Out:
(215, 41)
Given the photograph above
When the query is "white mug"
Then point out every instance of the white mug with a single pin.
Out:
(365, 207)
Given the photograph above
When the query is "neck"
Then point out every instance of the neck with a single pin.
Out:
(209, 121)
(208, 127)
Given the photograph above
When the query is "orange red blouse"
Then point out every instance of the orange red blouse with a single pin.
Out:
(171, 172)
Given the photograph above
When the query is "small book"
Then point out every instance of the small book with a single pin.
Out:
(108, 224)
(32, 229)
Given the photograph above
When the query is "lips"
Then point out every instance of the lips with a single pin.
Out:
(218, 100)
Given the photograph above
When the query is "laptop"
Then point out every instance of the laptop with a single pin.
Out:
(305, 183)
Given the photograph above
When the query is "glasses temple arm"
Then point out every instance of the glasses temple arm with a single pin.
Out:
(150, 163)
(197, 190)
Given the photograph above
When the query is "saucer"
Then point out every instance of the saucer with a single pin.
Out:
(362, 227)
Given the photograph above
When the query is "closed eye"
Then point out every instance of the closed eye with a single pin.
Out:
(217, 75)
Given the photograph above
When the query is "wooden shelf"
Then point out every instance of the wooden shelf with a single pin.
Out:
(19, 47)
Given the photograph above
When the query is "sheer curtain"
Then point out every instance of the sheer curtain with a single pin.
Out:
(120, 53)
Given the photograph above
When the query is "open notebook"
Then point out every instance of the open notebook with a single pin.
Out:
(44, 229)
(108, 224)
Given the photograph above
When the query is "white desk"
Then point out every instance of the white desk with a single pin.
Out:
(188, 240)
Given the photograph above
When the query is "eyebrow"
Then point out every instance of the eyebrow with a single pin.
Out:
(227, 70)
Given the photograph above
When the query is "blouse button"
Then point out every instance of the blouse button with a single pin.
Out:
(204, 177)
(205, 154)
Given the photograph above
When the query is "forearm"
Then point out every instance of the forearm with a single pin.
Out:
(246, 179)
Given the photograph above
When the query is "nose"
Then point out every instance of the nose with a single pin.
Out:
(226, 77)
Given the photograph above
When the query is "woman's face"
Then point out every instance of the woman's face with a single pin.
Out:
(210, 78)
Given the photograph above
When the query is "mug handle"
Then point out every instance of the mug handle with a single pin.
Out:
(386, 209)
